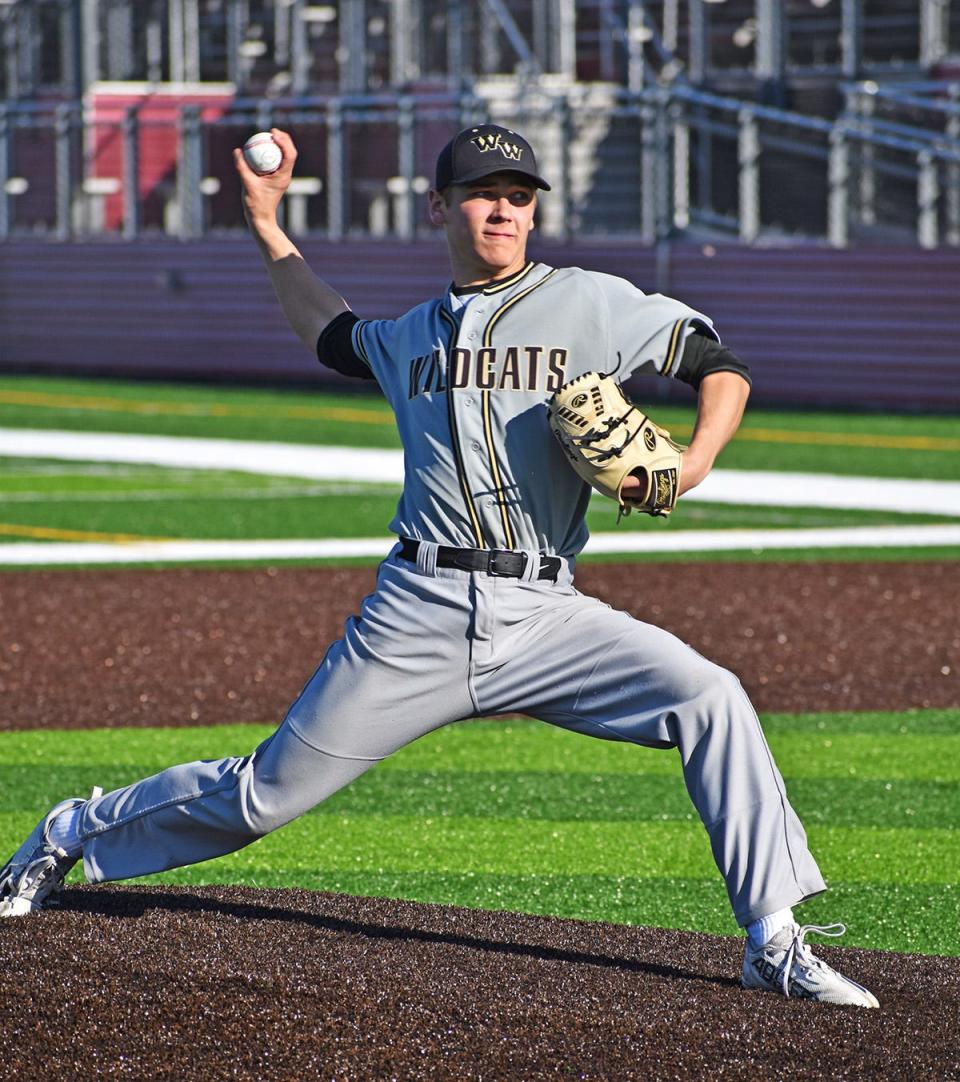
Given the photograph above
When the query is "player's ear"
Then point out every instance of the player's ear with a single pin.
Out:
(437, 207)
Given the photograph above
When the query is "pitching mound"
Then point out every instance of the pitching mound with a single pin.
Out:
(211, 983)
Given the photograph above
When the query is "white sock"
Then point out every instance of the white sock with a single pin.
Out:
(763, 929)
(64, 831)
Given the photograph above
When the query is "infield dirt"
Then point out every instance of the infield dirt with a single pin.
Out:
(217, 983)
(203, 647)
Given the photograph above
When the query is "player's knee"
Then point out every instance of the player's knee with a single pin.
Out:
(722, 693)
(728, 685)
(705, 682)
(260, 805)
(260, 821)
(261, 814)
(712, 697)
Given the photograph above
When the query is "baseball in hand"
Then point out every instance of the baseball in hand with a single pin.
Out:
(262, 154)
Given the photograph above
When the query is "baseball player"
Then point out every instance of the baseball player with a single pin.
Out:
(475, 611)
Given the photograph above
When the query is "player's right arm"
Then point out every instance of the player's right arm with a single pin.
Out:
(307, 301)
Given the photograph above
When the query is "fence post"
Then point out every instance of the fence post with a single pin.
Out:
(648, 174)
(4, 170)
(699, 34)
(564, 221)
(336, 202)
(131, 174)
(862, 105)
(838, 196)
(681, 167)
(189, 172)
(851, 37)
(63, 137)
(934, 31)
(300, 55)
(663, 163)
(406, 160)
(928, 193)
(748, 157)
(635, 64)
(704, 152)
(952, 170)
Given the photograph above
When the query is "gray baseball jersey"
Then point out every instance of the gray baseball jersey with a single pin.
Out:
(469, 380)
(469, 385)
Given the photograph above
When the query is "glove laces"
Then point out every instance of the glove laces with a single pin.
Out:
(799, 951)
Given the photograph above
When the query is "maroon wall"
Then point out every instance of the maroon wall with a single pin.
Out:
(871, 327)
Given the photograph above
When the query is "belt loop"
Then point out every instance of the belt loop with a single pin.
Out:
(427, 557)
(532, 571)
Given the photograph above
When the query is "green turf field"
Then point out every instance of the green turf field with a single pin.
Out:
(873, 445)
(152, 501)
(518, 815)
(45, 500)
(506, 815)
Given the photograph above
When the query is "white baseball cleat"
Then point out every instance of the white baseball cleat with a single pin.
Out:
(34, 875)
(786, 964)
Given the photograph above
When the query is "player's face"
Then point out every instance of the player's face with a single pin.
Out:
(487, 223)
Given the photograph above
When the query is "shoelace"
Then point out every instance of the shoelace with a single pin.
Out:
(799, 950)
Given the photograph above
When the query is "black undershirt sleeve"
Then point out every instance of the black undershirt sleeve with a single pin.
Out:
(335, 348)
(703, 355)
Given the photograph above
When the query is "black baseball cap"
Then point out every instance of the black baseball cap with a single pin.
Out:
(477, 152)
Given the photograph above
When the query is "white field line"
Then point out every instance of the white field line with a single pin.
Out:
(175, 495)
(311, 461)
(743, 487)
(679, 541)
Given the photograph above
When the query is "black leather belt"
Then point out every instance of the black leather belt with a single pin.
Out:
(499, 562)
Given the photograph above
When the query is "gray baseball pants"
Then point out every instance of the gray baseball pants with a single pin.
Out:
(432, 646)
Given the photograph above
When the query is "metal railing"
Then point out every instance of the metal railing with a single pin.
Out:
(647, 165)
(928, 112)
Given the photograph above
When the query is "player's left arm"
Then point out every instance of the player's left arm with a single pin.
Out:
(720, 405)
(722, 382)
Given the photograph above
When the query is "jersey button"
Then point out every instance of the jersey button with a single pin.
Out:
(475, 445)
(472, 334)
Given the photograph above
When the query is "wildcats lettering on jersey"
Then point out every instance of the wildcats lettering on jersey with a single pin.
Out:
(490, 368)
(427, 374)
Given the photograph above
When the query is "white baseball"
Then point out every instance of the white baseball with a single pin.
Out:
(262, 153)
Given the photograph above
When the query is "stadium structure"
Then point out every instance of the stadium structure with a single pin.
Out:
(781, 134)
(833, 118)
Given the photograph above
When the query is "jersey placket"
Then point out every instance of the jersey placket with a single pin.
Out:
(472, 430)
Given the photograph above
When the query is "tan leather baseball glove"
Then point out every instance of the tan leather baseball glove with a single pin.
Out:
(606, 438)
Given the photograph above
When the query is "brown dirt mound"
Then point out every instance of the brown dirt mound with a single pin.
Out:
(190, 647)
(214, 983)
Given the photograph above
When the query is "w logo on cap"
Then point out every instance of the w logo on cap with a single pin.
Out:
(496, 142)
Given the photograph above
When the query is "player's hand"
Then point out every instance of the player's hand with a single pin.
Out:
(262, 195)
(693, 470)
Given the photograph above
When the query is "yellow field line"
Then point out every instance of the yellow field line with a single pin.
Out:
(850, 439)
(187, 409)
(50, 533)
(381, 417)
(836, 439)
